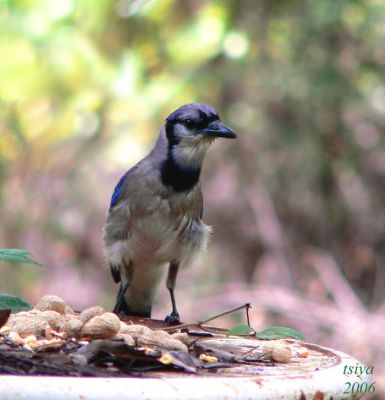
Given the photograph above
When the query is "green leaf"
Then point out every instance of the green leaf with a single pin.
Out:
(279, 332)
(13, 303)
(241, 330)
(17, 256)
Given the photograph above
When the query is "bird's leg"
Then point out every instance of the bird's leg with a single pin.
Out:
(120, 303)
(173, 318)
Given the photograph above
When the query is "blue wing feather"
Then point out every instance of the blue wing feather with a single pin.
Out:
(116, 196)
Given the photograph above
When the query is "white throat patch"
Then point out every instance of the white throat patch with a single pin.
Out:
(191, 153)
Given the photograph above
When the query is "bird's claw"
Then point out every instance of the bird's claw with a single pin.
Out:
(173, 318)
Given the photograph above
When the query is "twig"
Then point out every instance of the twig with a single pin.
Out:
(270, 231)
(336, 284)
(248, 306)
(245, 306)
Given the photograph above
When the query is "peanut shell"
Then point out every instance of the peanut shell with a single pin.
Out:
(50, 302)
(91, 312)
(102, 326)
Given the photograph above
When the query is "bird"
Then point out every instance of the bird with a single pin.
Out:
(156, 210)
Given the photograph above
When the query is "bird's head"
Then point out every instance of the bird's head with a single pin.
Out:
(192, 123)
(191, 129)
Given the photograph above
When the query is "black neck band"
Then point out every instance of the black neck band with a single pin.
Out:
(179, 176)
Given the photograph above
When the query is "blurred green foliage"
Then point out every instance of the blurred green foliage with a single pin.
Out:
(17, 256)
(64, 62)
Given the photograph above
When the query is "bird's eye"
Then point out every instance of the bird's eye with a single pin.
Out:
(189, 123)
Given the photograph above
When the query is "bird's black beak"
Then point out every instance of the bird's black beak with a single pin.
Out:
(217, 129)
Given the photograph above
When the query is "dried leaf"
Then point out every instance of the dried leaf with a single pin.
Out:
(4, 315)
(178, 359)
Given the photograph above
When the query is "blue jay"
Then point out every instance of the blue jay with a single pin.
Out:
(155, 216)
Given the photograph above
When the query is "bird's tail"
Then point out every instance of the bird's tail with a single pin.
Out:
(137, 289)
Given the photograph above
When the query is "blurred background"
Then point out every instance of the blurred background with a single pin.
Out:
(296, 202)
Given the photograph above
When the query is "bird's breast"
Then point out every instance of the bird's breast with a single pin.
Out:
(157, 229)
(165, 232)
(158, 238)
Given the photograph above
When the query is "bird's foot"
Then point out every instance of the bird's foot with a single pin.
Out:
(173, 318)
(121, 314)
